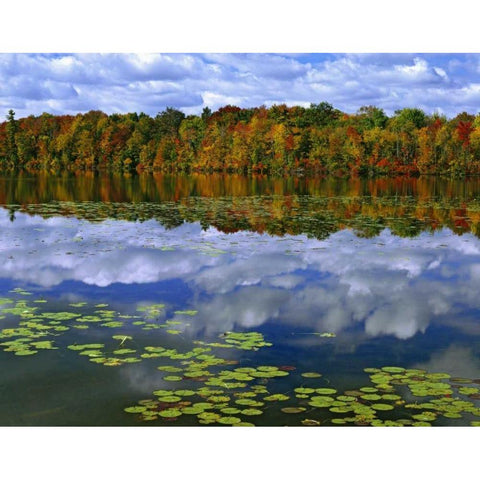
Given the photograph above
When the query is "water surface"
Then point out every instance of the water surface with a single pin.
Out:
(329, 276)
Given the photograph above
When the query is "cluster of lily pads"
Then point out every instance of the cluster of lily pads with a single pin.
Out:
(397, 390)
(29, 336)
(37, 330)
(240, 340)
(227, 397)
(218, 391)
(238, 397)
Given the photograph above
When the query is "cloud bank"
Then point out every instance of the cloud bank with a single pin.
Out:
(120, 83)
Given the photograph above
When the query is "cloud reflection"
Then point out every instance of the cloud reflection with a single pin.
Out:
(390, 285)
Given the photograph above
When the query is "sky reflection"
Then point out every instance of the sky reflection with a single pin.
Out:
(386, 285)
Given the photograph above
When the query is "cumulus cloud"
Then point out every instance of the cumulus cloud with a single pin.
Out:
(72, 83)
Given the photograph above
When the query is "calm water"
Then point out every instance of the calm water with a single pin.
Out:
(333, 276)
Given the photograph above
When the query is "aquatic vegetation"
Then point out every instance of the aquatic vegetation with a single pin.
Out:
(240, 340)
(190, 313)
(363, 408)
(212, 390)
(152, 311)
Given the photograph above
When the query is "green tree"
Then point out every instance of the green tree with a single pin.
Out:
(321, 115)
(372, 117)
(410, 117)
(12, 150)
(168, 122)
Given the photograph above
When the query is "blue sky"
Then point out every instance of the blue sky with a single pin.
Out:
(71, 83)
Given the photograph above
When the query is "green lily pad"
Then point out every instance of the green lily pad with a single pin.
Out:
(162, 392)
(391, 396)
(325, 391)
(462, 390)
(393, 369)
(91, 353)
(452, 415)
(123, 351)
(229, 420)
(248, 402)
(371, 397)
(44, 345)
(136, 409)
(122, 337)
(304, 391)
(184, 393)
(277, 397)
(169, 398)
(170, 413)
(266, 368)
(251, 411)
(311, 375)
(425, 417)
(346, 398)
(230, 411)
(24, 353)
(293, 410)
(438, 376)
(218, 399)
(369, 389)
(382, 406)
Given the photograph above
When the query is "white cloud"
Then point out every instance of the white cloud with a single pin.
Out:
(72, 83)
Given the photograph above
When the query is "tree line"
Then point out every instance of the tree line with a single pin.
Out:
(280, 139)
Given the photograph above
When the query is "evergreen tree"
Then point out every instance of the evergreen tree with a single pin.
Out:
(11, 150)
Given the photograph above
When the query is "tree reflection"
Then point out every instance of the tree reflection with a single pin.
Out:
(315, 206)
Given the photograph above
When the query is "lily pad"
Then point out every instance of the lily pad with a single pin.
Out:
(170, 413)
(293, 409)
(251, 411)
(304, 391)
(169, 398)
(382, 406)
(393, 369)
(310, 422)
(277, 397)
(184, 393)
(136, 409)
(229, 420)
(311, 375)
(325, 391)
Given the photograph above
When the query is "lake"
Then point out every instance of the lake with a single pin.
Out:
(231, 300)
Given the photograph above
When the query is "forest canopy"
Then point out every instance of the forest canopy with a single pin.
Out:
(279, 139)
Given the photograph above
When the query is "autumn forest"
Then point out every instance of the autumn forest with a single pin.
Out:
(280, 139)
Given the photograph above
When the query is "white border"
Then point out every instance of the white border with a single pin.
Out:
(246, 26)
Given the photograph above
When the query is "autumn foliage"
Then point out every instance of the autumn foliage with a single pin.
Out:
(279, 139)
